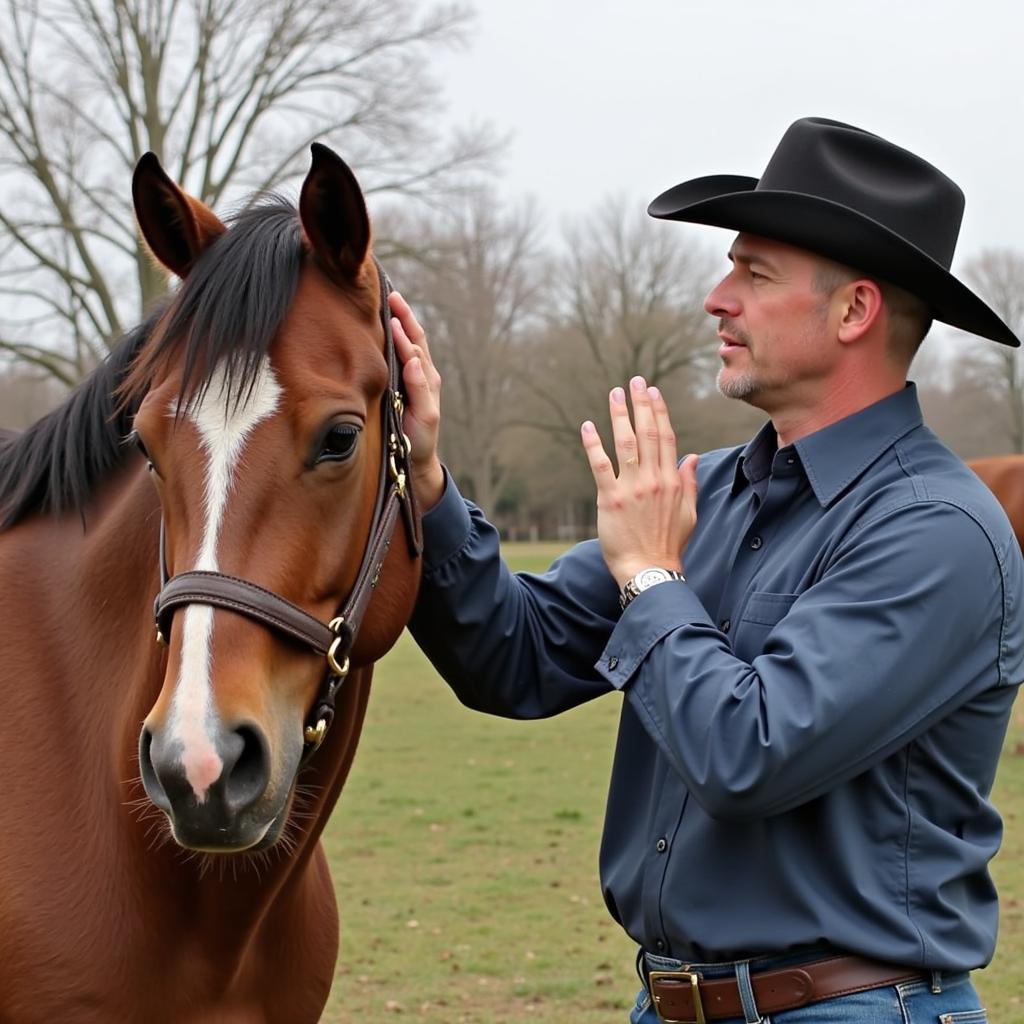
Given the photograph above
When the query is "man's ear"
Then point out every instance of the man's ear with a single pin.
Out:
(861, 307)
(333, 215)
(176, 227)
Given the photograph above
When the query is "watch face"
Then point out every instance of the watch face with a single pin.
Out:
(649, 577)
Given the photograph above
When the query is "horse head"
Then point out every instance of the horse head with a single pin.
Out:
(268, 398)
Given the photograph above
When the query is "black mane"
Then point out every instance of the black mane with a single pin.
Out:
(54, 464)
(228, 310)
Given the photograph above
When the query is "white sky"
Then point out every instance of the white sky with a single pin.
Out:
(629, 98)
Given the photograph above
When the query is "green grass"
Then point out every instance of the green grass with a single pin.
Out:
(464, 854)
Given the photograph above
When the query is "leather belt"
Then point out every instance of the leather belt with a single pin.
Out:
(684, 997)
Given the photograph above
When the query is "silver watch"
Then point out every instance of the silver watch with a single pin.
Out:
(644, 580)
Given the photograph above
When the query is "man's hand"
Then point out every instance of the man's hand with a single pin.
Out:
(422, 420)
(646, 514)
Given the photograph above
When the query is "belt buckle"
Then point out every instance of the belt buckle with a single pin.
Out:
(698, 1007)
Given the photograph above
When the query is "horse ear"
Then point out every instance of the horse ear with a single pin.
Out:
(177, 228)
(333, 214)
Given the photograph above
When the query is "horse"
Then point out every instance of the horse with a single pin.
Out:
(238, 457)
(1004, 476)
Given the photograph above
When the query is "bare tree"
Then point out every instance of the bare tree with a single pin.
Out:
(630, 302)
(25, 395)
(229, 94)
(998, 275)
(478, 284)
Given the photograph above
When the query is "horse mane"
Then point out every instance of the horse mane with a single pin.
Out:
(228, 310)
(54, 464)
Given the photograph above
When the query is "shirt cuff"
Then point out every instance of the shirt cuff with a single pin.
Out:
(650, 616)
(446, 528)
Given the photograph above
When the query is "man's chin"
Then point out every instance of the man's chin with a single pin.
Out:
(742, 386)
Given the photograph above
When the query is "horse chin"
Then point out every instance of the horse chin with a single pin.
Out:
(261, 839)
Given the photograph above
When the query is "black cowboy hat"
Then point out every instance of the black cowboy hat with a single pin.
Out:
(849, 195)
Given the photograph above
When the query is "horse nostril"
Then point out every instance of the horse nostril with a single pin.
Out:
(150, 781)
(246, 768)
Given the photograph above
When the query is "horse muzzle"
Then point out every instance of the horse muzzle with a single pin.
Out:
(220, 800)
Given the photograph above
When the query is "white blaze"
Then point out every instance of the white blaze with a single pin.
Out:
(223, 430)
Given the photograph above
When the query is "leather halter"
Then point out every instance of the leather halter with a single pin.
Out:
(334, 640)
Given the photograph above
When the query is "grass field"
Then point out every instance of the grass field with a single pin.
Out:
(464, 853)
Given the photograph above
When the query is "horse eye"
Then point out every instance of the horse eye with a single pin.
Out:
(339, 443)
(134, 438)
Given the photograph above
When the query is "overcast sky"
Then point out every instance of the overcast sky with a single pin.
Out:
(629, 98)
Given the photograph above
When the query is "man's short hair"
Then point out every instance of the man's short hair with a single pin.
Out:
(910, 319)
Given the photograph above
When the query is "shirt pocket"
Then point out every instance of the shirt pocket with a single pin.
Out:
(761, 615)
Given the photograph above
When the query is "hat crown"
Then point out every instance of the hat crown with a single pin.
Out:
(839, 163)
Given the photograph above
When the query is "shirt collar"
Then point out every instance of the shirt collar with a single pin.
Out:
(755, 461)
(833, 457)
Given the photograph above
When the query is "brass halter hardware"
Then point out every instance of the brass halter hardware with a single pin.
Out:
(398, 449)
(314, 734)
(340, 670)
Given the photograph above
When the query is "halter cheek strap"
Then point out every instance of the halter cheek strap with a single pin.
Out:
(332, 641)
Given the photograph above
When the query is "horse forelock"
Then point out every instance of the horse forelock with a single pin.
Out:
(224, 318)
(227, 312)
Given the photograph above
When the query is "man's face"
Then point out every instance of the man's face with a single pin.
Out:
(774, 324)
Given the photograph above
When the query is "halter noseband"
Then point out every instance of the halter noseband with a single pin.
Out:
(332, 641)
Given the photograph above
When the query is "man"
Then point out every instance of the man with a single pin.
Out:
(818, 636)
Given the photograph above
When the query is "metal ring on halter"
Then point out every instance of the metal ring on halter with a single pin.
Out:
(339, 669)
(398, 475)
(395, 448)
(314, 735)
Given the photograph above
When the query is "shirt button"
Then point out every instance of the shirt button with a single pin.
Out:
(755, 542)
(791, 460)
(612, 663)
(659, 945)
(662, 845)
(725, 625)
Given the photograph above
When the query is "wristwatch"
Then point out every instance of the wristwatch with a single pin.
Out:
(644, 580)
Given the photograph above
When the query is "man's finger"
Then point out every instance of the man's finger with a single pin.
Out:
(410, 338)
(418, 387)
(688, 475)
(666, 433)
(600, 464)
(645, 425)
(403, 343)
(402, 309)
(407, 350)
(626, 451)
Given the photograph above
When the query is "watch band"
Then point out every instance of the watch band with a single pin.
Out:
(644, 580)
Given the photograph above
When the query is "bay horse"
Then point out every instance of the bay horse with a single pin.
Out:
(1004, 477)
(240, 455)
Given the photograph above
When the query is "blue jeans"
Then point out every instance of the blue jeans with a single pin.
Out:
(913, 1002)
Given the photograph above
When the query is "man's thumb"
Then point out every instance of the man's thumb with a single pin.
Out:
(688, 474)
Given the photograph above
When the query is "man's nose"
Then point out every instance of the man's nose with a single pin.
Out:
(721, 302)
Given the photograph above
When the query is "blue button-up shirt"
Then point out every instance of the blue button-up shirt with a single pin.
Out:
(812, 720)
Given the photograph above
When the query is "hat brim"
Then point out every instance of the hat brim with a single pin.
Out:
(837, 232)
